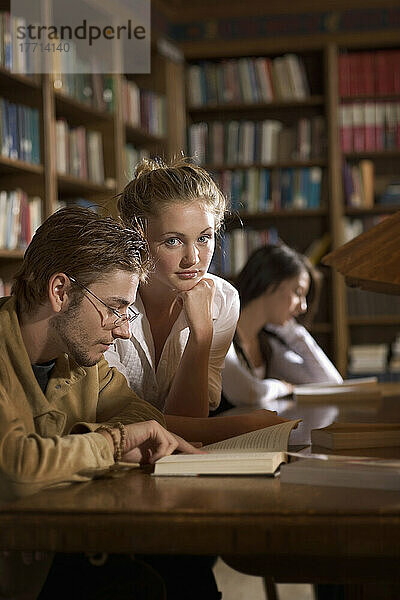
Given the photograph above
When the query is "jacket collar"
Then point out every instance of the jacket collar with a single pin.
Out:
(65, 367)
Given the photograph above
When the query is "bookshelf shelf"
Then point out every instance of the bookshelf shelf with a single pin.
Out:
(376, 155)
(8, 165)
(378, 209)
(72, 109)
(286, 164)
(6, 77)
(11, 254)
(282, 214)
(139, 136)
(67, 184)
(370, 98)
(374, 321)
(312, 101)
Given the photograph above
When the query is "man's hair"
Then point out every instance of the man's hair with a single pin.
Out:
(80, 243)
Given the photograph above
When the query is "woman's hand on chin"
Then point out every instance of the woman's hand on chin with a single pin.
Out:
(198, 304)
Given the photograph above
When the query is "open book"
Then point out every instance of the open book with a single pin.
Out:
(357, 435)
(350, 390)
(256, 452)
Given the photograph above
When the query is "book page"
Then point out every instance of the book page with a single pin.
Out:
(341, 393)
(326, 390)
(273, 438)
(360, 427)
(357, 382)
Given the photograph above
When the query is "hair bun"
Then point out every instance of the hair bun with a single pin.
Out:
(146, 165)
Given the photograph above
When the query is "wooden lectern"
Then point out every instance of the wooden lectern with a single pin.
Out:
(371, 261)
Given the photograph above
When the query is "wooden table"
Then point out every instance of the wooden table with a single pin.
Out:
(291, 532)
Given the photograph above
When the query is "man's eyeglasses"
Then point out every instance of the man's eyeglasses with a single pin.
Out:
(120, 318)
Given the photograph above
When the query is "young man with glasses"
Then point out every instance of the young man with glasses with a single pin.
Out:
(65, 415)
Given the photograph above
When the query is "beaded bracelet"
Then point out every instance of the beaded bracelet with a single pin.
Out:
(118, 447)
(114, 436)
(123, 432)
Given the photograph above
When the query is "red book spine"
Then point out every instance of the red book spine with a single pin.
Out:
(344, 75)
(398, 124)
(368, 71)
(380, 72)
(396, 73)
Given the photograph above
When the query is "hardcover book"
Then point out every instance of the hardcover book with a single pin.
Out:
(338, 436)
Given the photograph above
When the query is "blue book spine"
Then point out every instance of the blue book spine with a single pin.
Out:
(5, 138)
(35, 136)
(21, 132)
(13, 130)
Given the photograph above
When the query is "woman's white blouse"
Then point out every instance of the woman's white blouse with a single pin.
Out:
(135, 358)
(298, 360)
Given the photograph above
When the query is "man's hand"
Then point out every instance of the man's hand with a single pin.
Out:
(148, 441)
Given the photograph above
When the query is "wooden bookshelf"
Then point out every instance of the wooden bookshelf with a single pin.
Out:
(44, 181)
(336, 328)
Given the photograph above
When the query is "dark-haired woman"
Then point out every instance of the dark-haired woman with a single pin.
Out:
(271, 351)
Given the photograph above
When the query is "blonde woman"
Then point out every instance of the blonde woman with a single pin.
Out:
(178, 344)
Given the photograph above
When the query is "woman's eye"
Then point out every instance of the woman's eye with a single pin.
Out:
(172, 241)
(203, 239)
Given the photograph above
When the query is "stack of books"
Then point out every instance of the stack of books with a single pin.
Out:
(19, 132)
(79, 152)
(264, 142)
(368, 358)
(247, 81)
(20, 216)
(369, 73)
(369, 126)
(358, 183)
(144, 108)
(256, 190)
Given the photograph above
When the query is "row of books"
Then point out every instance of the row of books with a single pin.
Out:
(359, 186)
(94, 89)
(363, 303)
(352, 227)
(5, 287)
(235, 247)
(132, 156)
(12, 56)
(394, 355)
(260, 190)
(20, 216)
(79, 152)
(19, 132)
(358, 183)
(369, 73)
(247, 142)
(144, 108)
(247, 81)
(369, 126)
(84, 202)
(367, 359)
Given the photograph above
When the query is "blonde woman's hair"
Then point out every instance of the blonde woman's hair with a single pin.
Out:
(157, 184)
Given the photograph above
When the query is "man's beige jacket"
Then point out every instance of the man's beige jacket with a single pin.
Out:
(50, 439)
